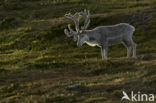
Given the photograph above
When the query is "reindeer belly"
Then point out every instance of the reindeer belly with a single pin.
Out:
(92, 43)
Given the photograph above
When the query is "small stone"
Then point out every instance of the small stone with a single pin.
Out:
(74, 86)
(145, 57)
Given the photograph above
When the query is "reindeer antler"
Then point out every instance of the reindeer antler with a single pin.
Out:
(86, 15)
(76, 18)
(70, 32)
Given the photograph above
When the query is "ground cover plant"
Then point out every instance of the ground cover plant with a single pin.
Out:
(39, 64)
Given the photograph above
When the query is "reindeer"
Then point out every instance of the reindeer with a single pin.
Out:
(101, 36)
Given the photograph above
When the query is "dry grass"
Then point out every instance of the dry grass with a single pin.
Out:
(38, 64)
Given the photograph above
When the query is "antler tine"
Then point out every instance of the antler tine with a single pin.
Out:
(87, 22)
(76, 21)
(67, 33)
(86, 15)
(70, 29)
(76, 14)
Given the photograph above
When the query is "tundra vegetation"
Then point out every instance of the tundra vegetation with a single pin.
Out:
(39, 64)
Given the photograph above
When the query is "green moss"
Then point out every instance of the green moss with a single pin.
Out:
(39, 64)
(95, 100)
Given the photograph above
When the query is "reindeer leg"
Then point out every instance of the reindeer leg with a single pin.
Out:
(102, 53)
(130, 44)
(104, 50)
(128, 49)
(134, 49)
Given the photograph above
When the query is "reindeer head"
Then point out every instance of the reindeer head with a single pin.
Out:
(76, 18)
